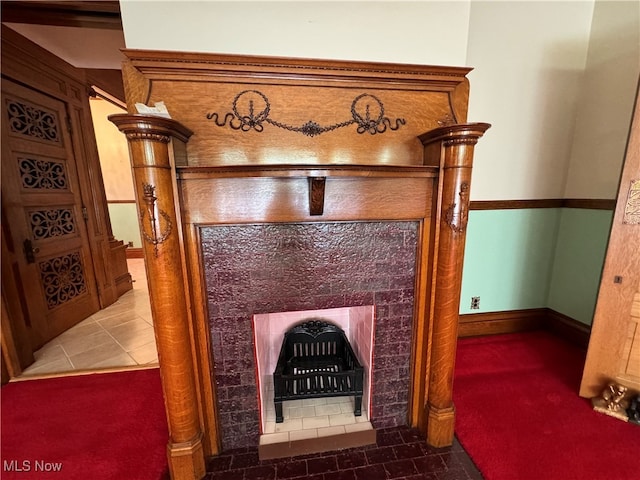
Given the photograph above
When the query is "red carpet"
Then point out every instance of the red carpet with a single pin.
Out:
(109, 426)
(519, 416)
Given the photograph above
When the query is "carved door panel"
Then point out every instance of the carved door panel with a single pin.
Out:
(43, 215)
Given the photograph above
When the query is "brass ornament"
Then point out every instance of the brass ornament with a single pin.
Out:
(457, 215)
(157, 234)
(612, 401)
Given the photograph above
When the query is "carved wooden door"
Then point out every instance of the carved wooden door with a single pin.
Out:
(614, 346)
(43, 217)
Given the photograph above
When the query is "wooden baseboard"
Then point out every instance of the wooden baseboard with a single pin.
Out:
(566, 327)
(493, 323)
(135, 253)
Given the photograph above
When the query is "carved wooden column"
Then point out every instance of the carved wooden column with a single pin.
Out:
(450, 148)
(152, 142)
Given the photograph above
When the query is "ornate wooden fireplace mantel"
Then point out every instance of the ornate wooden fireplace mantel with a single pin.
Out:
(260, 141)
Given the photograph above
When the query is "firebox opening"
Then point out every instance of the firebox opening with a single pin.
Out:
(314, 417)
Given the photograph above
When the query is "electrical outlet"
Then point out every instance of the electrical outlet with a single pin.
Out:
(475, 303)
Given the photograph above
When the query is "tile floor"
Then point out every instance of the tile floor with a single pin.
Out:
(399, 453)
(120, 335)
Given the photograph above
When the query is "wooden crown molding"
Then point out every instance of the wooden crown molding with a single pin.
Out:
(158, 63)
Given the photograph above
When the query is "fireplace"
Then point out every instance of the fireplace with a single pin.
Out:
(262, 269)
(283, 185)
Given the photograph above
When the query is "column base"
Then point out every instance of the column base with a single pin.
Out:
(186, 460)
(440, 426)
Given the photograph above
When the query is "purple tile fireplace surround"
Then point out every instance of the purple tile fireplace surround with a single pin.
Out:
(265, 268)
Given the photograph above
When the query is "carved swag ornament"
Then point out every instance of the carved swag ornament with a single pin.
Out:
(251, 108)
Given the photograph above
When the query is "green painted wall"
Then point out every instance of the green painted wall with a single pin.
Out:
(535, 258)
(579, 257)
(124, 223)
(509, 258)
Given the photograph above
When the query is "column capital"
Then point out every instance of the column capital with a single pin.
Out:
(460, 133)
(150, 127)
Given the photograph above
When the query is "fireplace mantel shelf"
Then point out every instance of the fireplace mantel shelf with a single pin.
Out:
(306, 170)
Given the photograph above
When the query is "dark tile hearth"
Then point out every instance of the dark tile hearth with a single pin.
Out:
(400, 453)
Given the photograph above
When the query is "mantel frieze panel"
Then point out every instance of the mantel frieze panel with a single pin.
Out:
(246, 110)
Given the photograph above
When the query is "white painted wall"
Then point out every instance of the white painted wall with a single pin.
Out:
(428, 32)
(606, 101)
(529, 59)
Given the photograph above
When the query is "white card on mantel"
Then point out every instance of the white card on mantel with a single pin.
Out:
(159, 109)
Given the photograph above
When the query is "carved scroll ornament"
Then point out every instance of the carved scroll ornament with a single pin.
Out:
(42, 174)
(251, 109)
(152, 230)
(33, 122)
(51, 223)
(62, 279)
